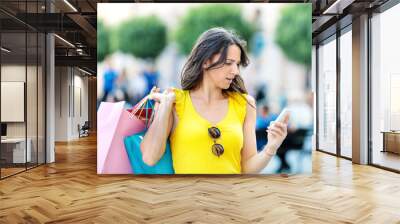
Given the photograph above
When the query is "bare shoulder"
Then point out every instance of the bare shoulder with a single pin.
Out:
(251, 111)
(251, 101)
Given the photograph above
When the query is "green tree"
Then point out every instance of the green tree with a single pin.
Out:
(103, 41)
(202, 18)
(144, 37)
(293, 33)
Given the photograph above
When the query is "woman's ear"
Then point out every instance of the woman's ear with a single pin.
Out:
(205, 64)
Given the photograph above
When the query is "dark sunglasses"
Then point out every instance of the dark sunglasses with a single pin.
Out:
(216, 148)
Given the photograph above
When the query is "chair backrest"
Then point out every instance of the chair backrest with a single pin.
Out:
(295, 140)
(86, 125)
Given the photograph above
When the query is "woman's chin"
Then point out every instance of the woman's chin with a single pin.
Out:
(227, 86)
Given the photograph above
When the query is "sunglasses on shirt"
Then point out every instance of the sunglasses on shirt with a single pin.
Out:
(216, 148)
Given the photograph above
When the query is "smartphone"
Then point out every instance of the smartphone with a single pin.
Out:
(282, 115)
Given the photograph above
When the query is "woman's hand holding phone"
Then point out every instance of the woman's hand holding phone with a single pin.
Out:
(277, 132)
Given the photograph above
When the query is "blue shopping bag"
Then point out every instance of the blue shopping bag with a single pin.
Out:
(132, 146)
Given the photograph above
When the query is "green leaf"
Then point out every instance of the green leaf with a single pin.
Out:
(293, 33)
(103, 41)
(199, 19)
(144, 37)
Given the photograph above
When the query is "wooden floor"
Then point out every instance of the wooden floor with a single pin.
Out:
(70, 191)
(10, 171)
(388, 159)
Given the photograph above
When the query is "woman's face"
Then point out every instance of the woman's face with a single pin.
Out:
(222, 76)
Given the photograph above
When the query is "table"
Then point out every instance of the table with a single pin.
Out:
(16, 147)
(391, 141)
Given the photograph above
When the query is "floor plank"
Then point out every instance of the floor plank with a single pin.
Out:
(70, 191)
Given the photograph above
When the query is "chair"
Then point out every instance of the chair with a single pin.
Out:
(84, 130)
(294, 141)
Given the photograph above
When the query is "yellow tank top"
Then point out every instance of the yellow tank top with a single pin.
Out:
(191, 144)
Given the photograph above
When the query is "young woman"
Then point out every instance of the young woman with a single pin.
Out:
(210, 122)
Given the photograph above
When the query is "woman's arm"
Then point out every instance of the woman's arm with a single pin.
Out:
(153, 144)
(253, 162)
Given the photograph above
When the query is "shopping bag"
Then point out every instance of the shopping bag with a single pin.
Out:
(144, 111)
(132, 146)
(114, 123)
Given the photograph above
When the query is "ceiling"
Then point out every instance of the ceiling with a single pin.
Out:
(75, 22)
(331, 15)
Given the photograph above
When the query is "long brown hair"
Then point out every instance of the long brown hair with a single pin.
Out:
(211, 42)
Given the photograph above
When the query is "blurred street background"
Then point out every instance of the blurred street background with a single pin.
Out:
(143, 45)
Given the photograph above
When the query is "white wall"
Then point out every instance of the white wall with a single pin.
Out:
(33, 126)
(12, 101)
(16, 73)
(80, 100)
(70, 83)
(62, 81)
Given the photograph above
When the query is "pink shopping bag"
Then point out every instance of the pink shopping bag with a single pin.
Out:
(114, 123)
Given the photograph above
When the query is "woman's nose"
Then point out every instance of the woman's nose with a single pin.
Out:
(235, 69)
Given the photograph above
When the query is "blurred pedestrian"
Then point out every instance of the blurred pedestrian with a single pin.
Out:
(151, 76)
(110, 76)
(263, 121)
(300, 126)
(122, 85)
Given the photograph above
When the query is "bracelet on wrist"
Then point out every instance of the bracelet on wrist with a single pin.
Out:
(267, 151)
